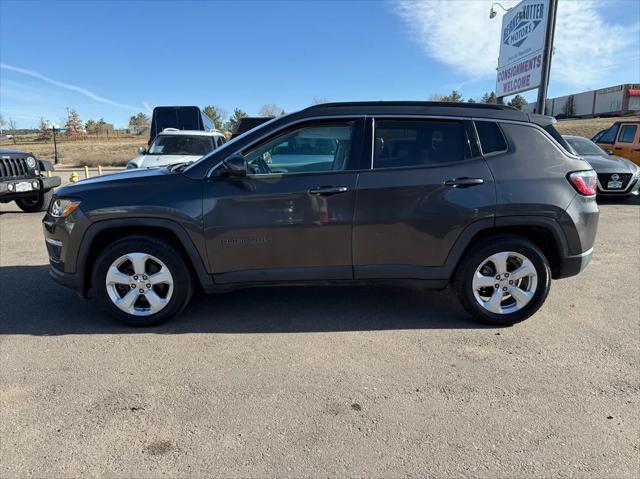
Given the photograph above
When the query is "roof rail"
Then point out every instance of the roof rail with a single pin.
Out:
(488, 106)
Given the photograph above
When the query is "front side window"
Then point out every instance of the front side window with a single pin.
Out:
(182, 145)
(609, 136)
(306, 149)
(402, 143)
(627, 134)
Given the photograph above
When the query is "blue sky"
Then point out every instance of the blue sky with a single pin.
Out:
(112, 59)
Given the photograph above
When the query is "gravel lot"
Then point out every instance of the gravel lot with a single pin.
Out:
(322, 381)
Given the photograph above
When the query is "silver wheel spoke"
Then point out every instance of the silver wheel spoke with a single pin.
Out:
(161, 277)
(482, 281)
(139, 261)
(115, 276)
(127, 302)
(499, 260)
(156, 303)
(493, 304)
(521, 297)
(526, 269)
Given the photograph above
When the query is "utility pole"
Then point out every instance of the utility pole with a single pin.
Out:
(546, 56)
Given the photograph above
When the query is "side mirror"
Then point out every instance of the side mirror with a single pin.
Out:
(609, 152)
(235, 165)
(142, 150)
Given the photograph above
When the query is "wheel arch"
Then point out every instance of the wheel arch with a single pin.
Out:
(544, 232)
(103, 233)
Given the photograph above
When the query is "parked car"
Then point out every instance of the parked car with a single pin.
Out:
(425, 193)
(177, 146)
(616, 176)
(247, 123)
(180, 118)
(24, 179)
(622, 139)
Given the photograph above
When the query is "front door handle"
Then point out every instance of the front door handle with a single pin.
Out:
(618, 148)
(328, 190)
(463, 182)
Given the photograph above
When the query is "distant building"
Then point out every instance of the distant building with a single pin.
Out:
(613, 101)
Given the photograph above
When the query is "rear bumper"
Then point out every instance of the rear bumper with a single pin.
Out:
(573, 265)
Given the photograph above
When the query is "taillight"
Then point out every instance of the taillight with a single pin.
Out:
(584, 182)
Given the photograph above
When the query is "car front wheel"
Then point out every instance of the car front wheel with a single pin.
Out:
(36, 203)
(142, 281)
(503, 280)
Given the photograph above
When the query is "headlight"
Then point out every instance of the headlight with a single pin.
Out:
(62, 207)
(31, 162)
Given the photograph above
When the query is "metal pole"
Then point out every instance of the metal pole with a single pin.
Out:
(546, 56)
(55, 147)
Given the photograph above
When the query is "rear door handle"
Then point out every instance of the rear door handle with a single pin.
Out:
(463, 182)
(328, 190)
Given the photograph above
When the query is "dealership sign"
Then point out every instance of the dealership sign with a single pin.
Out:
(521, 47)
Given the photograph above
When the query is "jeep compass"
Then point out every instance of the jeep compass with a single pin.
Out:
(485, 198)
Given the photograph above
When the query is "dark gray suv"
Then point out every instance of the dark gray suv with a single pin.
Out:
(483, 197)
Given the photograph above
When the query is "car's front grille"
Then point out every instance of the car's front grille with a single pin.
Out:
(13, 167)
(605, 178)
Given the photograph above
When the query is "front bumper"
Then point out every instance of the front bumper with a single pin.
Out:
(44, 184)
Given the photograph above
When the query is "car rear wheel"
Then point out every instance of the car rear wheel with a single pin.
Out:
(142, 281)
(36, 203)
(503, 280)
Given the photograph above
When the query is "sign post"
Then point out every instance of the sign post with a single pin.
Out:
(526, 45)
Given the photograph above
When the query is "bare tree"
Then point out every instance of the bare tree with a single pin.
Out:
(44, 129)
(271, 110)
(12, 127)
(2, 123)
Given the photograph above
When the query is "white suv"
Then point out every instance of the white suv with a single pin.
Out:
(173, 146)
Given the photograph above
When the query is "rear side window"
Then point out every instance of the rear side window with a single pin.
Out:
(491, 138)
(402, 143)
(609, 136)
(627, 134)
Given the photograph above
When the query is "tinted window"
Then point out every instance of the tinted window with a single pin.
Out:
(491, 138)
(182, 145)
(627, 133)
(419, 143)
(609, 136)
(322, 147)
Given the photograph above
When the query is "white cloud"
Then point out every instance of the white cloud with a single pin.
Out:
(67, 86)
(460, 34)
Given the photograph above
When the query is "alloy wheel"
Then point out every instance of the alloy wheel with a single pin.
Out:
(139, 284)
(505, 282)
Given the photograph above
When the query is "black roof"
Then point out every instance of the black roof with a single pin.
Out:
(482, 110)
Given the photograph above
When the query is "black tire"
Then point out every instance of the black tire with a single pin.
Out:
(165, 252)
(36, 203)
(477, 254)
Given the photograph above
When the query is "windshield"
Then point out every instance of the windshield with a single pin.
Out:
(585, 147)
(182, 145)
(228, 146)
